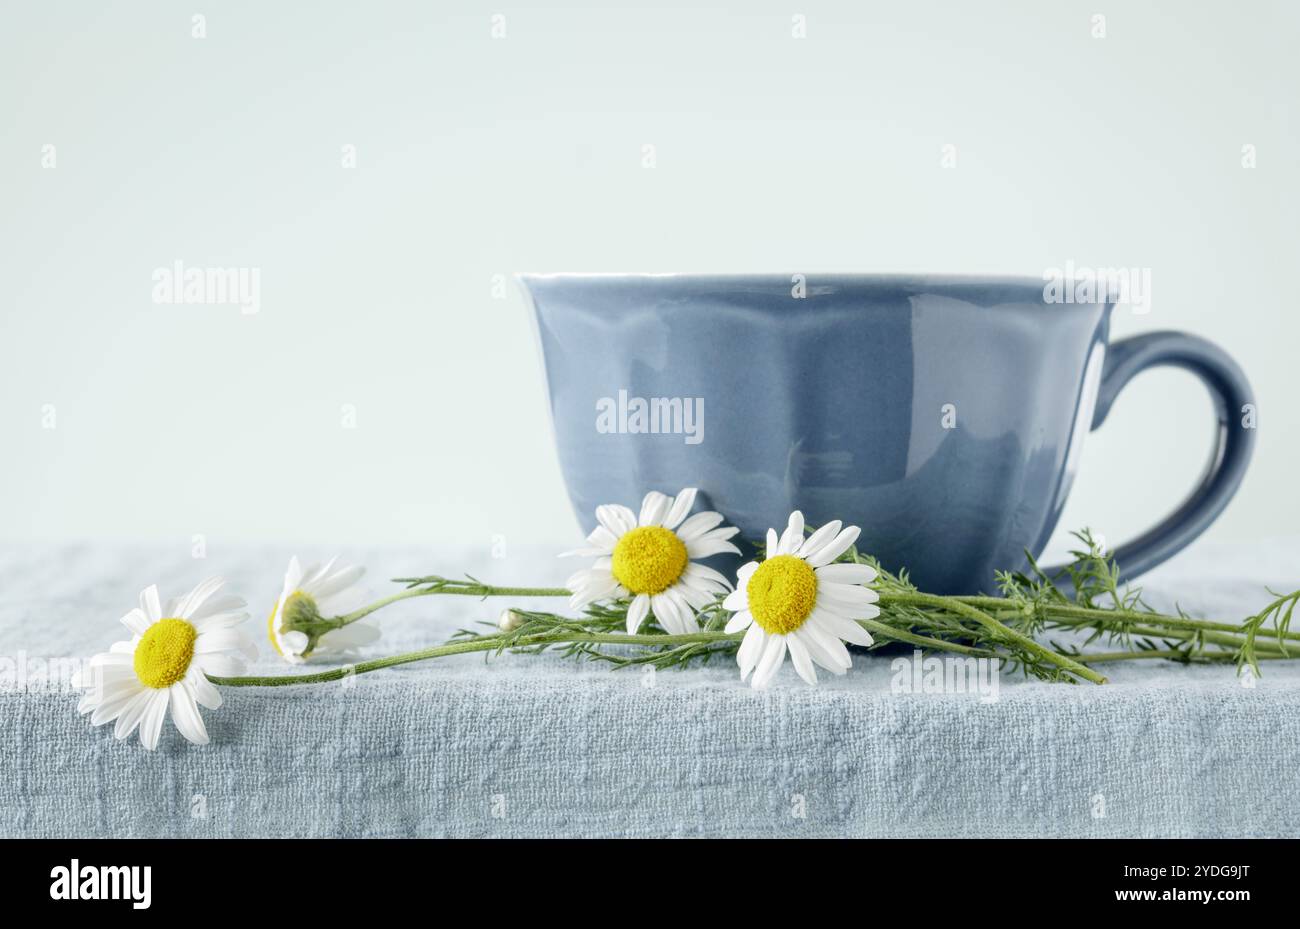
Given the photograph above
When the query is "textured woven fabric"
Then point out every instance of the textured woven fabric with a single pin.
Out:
(526, 746)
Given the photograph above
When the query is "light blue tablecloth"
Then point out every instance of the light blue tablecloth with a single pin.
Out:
(526, 746)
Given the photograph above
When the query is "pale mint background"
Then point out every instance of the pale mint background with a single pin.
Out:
(585, 751)
(478, 157)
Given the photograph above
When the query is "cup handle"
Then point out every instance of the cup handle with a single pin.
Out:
(1234, 437)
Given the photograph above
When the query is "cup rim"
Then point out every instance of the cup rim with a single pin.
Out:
(883, 277)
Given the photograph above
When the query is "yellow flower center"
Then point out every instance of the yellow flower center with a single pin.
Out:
(164, 653)
(297, 605)
(782, 594)
(649, 559)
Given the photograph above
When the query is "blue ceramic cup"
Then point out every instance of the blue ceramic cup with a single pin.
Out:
(943, 415)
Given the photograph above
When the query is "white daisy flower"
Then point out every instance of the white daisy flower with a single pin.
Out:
(313, 594)
(798, 600)
(173, 649)
(650, 558)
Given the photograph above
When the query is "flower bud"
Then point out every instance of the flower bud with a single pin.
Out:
(300, 612)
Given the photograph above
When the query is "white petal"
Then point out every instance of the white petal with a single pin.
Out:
(185, 714)
(654, 508)
(772, 543)
(215, 621)
(847, 573)
(665, 615)
(109, 659)
(106, 678)
(293, 574)
(112, 704)
(695, 598)
(338, 582)
(672, 614)
(602, 539)
(227, 603)
(834, 548)
(316, 573)
(847, 594)
(221, 640)
(825, 649)
(792, 538)
(847, 610)
(697, 525)
(751, 649)
(205, 589)
(722, 532)
(341, 602)
(842, 628)
(680, 506)
(737, 600)
(593, 589)
(154, 714)
(617, 519)
(705, 573)
(745, 573)
(587, 576)
(800, 658)
(112, 687)
(684, 609)
(131, 713)
(293, 643)
(149, 603)
(819, 538)
(707, 588)
(136, 621)
(739, 622)
(205, 694)
(706, 591)
(770, 663)
(220, 664)
(636, 612)
(703, 548)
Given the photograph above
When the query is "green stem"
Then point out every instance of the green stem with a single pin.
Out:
(986, 611)
(482, 644)
(954, 605)
(1215, 657)
(992, 608)
(1099, 657)
(911, 638)
(505, 640)
(1184, 634)
(1214, 638)
(1084, 614)
(460, 589)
